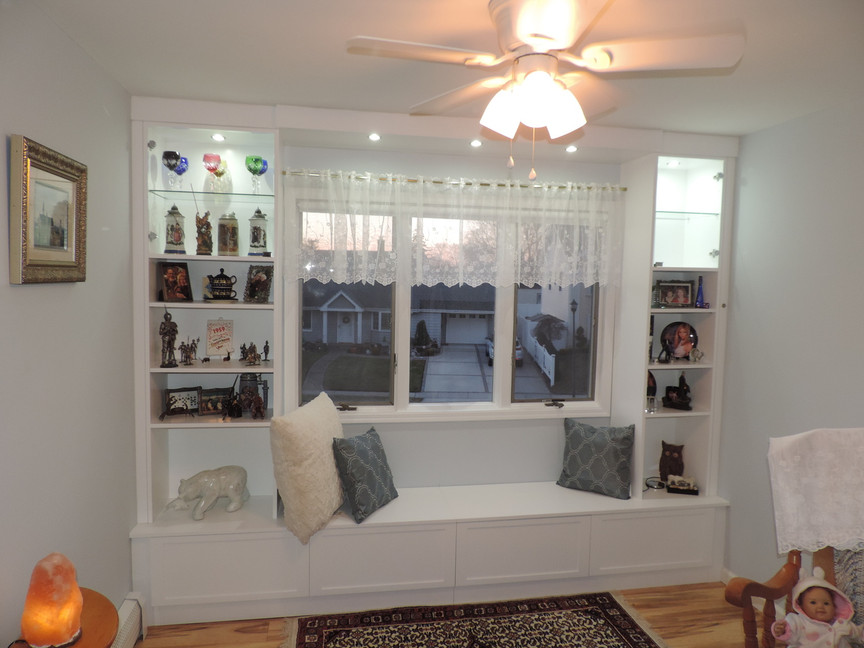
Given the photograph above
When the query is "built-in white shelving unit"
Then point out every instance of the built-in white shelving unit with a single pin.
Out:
(430, 545)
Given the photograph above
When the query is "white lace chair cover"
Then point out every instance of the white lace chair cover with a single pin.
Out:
(816, 479)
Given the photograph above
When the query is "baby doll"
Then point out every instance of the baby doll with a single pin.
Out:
(822, 615)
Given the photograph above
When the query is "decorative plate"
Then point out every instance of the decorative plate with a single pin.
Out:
(680, 339)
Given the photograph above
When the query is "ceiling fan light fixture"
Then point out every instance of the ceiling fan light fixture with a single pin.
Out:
(538, 102)
(536, 95)
(502, 113)
(565, 114)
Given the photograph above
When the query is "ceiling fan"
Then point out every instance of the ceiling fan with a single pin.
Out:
(547, 81)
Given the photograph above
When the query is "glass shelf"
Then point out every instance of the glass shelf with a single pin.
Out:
(244, 198)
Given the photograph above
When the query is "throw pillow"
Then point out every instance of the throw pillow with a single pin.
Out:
(597, 459)
(364, 472)
(302, 447)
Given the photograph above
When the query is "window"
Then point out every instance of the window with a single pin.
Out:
(555, 354)
(351, 358)
(450, 327)
(381, 321)
(415, 300)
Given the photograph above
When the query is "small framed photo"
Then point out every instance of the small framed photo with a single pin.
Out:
(215, 401)
(174, 282)
(47, 214)
(185, 400)
(673, 294)
(258, 284)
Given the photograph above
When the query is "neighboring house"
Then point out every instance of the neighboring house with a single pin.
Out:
(361, 313)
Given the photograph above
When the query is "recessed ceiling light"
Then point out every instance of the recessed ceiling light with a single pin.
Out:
(217, 137)
(571, 149)
(374, 137)
(476, 143)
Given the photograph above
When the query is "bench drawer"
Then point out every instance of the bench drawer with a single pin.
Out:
(661, 541)
(188, 570)
(382, 558)
(510, 551)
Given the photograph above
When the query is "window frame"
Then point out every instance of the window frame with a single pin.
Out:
(501, 406)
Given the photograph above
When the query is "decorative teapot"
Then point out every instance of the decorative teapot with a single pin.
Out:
(222, 286)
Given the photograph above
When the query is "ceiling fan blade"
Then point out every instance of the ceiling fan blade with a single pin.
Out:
(447, 101)
(698, 52)
(419, 51)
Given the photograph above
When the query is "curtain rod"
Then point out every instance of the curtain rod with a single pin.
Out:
(318, 174)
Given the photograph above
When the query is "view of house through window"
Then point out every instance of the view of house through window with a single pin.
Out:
(348, 344)
(555, 334)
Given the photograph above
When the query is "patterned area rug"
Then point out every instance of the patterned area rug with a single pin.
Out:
(583, 621)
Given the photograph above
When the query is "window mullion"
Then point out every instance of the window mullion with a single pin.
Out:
(400, 321)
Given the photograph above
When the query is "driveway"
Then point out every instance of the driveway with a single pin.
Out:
(461, 372)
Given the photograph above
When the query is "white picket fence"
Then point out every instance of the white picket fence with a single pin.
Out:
(544, 359)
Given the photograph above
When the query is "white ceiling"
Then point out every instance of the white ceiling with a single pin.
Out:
(801, 56)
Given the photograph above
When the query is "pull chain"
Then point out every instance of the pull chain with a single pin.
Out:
(533, 174)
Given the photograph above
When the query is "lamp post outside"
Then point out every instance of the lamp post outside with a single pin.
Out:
(573, 306)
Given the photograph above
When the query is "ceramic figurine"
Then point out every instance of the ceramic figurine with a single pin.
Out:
(678, 397)
(205, 234)
(208, 486)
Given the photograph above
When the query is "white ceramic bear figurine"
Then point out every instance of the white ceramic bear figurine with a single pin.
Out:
(210, 485)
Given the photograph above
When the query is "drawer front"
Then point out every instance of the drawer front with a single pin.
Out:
(651, 541)
(512, 551)
(212, 569)
(382, 559)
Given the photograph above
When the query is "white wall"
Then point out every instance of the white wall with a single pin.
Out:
(66, 426)
(795, 343)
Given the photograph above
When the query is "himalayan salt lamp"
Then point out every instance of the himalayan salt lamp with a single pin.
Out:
(52, 609)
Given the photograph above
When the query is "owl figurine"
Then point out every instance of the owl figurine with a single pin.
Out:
(671, 461)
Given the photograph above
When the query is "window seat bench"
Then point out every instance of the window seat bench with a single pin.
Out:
(431, 545)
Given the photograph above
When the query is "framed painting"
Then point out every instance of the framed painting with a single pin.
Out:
(47, 215)
(185, 400)
(215, 401)
(258, 284)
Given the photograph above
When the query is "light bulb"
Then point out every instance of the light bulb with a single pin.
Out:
(536, 95)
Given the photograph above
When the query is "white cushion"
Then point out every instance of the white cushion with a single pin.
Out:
(306, 476)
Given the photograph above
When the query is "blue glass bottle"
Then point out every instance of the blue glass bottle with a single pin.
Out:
(700, 297)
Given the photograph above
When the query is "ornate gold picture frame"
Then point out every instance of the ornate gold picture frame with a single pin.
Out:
(47, 215)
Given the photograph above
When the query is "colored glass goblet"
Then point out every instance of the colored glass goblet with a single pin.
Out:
(211, 163)
(182, 167)
(254, 163)
(170, 160)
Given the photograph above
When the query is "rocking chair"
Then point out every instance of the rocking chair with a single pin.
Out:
(800, 484)
(741, 592)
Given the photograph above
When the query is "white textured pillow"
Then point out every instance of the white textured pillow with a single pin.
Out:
(302, 447)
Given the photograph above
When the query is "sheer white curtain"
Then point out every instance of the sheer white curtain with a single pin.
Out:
(360, 227)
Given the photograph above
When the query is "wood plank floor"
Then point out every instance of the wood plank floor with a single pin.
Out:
(686, 616)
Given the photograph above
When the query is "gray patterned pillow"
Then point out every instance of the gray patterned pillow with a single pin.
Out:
(364, 472)
(597, 459)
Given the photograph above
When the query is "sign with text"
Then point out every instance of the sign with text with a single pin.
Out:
(220, 337)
